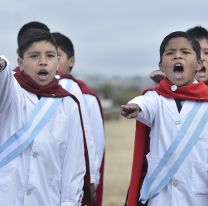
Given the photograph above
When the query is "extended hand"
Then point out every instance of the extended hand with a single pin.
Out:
(130, 110)
(157, 76)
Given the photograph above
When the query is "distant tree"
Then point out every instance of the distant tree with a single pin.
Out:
(106, 91)
(123, 96)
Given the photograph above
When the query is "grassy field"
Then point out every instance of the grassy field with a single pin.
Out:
(119, 149)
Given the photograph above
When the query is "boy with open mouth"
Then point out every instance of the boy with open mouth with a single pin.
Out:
(41, 148)
(177, 160)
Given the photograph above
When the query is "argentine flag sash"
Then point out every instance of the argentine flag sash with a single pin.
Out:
(36, 121)
(184, 141)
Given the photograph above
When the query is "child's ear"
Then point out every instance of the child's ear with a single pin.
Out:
(17, 51)
(199, 65)
(19, 61)
(71, 61)
(161, 67)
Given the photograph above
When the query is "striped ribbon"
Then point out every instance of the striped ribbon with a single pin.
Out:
(184, 141)
(36, 121)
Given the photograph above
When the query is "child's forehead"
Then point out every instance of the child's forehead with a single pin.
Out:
(60, 50)
(41, 45)
(203, 41)
(178, 42)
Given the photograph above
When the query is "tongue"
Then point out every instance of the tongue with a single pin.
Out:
(178, 74)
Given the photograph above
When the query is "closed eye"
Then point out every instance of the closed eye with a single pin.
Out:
(51, 55)
(169, 53)
(33, 56)
(186, 52)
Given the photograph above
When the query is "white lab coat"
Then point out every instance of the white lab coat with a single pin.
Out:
(76, 91)
(97, 128)
(50, 171)
(189, 186)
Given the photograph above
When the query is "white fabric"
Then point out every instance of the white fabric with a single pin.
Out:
(97, 127)
(189, 185)
(50, 172)
(76, 91)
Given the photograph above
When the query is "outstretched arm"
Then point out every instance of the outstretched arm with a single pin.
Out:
(130, 111)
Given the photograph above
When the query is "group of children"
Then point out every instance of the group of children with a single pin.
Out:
(170, 164)
(52, 135)
(52, 130)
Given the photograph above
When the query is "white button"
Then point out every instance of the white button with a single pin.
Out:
(177, 122)
(35, 154)
(57, 76)
(28, 192)
(175, 183)
(174, 88)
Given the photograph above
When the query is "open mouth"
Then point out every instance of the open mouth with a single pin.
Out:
(202, 70)
(202, 74)
(178, 70)
(43, 74)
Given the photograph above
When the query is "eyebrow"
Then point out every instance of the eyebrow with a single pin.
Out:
(172, 49)
(37, 52)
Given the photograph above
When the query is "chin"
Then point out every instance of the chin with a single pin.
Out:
(179, 83)
(43, 83)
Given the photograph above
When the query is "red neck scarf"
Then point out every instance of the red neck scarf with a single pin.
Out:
(53, 89)
(198, 91)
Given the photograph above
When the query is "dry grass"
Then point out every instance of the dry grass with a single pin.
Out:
(119, 149)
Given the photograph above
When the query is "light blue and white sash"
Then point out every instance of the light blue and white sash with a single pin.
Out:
(36, 121)
(184, 141)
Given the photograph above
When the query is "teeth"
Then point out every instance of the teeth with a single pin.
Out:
(178, 67)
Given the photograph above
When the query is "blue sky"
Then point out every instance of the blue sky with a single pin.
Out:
(110, 37)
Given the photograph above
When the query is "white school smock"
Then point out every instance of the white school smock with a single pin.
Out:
(76, 91)
(189, 186)
(97, 128)
(50, 171)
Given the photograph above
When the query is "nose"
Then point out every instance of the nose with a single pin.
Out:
(177, 55)
(43, 60)
(203, 57)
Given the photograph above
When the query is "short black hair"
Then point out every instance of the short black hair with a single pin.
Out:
(198, 32)
(34, 35)
(64, 43)
(195, 44)
(31, 25)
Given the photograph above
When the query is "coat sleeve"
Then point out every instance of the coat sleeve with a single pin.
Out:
(149, 106)
(10, 90)
(75, 90)
(97, 127)
(5, 86)
(74, 164)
